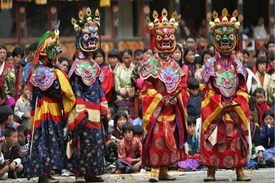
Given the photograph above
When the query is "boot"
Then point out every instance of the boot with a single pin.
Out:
(93, 178)
(163, 174)
(241, 176)
(46, 179)
(210, 174)
(79, 179)
(154, 175)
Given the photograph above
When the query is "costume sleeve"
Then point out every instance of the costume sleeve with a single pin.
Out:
(68, 98)
(152, 103)
(9, 83)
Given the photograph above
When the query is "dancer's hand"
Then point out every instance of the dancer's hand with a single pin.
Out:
(174, 101)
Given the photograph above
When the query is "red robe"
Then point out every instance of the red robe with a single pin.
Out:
(224, 134)
(165, 127)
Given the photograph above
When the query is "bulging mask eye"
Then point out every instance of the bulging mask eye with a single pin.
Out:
(218, 37)
(231, 36)
(85, 36)
(159, 37)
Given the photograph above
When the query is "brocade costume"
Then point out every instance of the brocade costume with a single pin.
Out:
(162, 80)
(86, 123)
(52, 100)
(230, 148)
(164, 99)
(225, 132)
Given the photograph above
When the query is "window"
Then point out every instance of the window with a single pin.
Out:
(37, 19)
(8, 17)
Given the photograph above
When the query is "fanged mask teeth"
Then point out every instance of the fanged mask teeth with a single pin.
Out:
(165, 44)
(91, 43)
(224, 44)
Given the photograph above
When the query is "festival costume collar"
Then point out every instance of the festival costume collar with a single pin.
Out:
(168, 72)
(225, 76)
(87, 69)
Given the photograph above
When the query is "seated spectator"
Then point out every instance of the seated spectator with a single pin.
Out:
(194, 103)
(192, 147)
(256, 155)
(119, 119)
(111, 154)
(22, 107)
(126, 110)
(260, 31)
(271, 63)
(10, 149)
(110, 115)
(6, 120)
(266, 118)
(138, 132)
(129, 151)
(260, 103)
(23, 141)
(269, 153)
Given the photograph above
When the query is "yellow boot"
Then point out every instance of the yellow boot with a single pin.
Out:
(163, 174)
(241, 176)
(154, 175)
(210, 174)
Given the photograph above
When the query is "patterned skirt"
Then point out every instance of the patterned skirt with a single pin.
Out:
(229, 154)
(47, 150)
(159, 154)
(91, 158)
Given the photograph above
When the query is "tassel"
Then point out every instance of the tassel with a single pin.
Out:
(104, 3)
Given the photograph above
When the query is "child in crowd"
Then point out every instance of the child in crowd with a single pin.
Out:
(23, 140)
(194, 103)
(10, 149)
(129, 151)
(269, 153)
(22, 107)
(192, 147)
(111, 154)
(3, 167)
(6, 120)
(260, 103)
(119, 119)
(138, 132)
(110, 116)
(267, 118)
(257, 148)
(127, 112)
